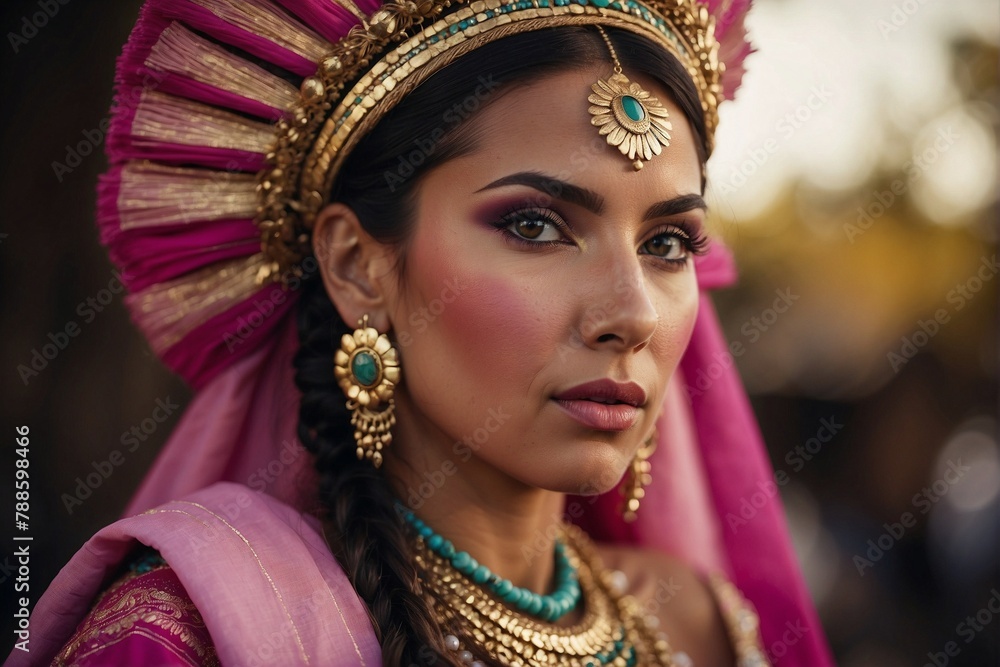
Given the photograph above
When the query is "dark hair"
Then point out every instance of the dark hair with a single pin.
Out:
(379, 182)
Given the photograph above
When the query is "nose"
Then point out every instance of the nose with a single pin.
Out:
(621, 314)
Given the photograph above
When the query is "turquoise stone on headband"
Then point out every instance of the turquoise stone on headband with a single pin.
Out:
(633, 108)
(364, 369)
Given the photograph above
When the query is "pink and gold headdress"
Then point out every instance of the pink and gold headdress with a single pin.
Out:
(219, 165)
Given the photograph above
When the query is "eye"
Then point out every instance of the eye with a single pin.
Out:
(529, 228)
(533, 225)
(666, 246)
(676, 244)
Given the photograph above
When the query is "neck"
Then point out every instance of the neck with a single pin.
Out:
(506, 526)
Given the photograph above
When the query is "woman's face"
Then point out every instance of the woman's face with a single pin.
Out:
(538, 263)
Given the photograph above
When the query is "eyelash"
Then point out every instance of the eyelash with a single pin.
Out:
(695, 242)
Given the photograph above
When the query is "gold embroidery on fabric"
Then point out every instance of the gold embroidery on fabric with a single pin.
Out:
(151, 194)
(170, 310)
(126, 613)
(742, 623)
(253, 552)
(260, 19)
(180, 51)
(166, 118)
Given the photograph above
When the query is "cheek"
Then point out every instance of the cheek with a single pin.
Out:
(678, 314)
(494, 329)
(485, 334)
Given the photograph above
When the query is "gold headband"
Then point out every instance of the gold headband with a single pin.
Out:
(328, 121)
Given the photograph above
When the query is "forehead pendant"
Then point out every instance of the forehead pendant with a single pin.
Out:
(630, 117)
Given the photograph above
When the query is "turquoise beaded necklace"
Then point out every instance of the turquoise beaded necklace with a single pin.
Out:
(549, 608)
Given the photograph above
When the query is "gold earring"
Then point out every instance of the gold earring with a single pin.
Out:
(367, 369)
(637, 478)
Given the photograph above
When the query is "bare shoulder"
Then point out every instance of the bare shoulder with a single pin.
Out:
(683, 603)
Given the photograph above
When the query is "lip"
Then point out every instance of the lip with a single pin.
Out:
(628, 393)
(583, 403)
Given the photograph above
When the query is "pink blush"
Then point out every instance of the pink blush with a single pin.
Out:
(493, 325)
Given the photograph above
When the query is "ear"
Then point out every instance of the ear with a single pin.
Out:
(352, 265)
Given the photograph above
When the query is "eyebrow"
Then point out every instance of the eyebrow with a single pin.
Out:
(589, 199)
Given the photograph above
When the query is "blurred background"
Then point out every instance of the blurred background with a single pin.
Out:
(856, 182)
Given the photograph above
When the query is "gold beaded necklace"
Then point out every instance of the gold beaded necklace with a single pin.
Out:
(481, 627)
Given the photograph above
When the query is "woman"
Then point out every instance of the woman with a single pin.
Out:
(482, 219)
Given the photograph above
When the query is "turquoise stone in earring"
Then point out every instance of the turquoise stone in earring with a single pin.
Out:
(364, 368)
(549, 608)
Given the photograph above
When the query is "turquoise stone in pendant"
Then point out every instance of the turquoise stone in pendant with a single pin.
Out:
(633, 108)
(364, 369)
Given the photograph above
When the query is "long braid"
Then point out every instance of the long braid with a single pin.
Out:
(365, 533)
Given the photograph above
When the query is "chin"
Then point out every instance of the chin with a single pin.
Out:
(589, 474)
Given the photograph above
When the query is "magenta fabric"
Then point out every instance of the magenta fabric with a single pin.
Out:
(256, 320)
(328, 18)
(764, 565)
(205, 21)
(127, 626)
(151, 258)
(259, 572)
(183, 155)
(734, 47)
(202, 92)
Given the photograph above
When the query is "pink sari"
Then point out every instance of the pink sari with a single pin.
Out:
(233, 550)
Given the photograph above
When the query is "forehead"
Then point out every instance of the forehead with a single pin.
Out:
(546, 126)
